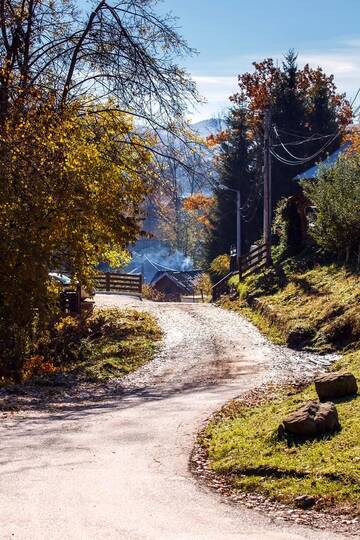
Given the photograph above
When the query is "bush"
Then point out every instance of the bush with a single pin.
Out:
(220, 267)
(287, 229)
(203, 285)
(150, 293)
(336, 196)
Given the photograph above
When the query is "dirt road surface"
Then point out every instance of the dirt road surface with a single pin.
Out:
(117, 468)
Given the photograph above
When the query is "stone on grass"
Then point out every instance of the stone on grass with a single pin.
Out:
(335, 385)
(312, 419)
(305, 501)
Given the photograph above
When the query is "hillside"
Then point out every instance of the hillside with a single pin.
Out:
(318, 309)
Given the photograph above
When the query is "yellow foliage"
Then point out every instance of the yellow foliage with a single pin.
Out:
(72, 191)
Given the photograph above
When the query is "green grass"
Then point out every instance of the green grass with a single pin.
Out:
(319, 309)
(108, 344)
(130, 340)
(243, 441)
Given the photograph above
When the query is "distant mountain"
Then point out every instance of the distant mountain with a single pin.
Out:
(209, 126)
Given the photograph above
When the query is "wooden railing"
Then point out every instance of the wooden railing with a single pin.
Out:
(222, 287)
(255, 260)
(119, 283)
(258, 258)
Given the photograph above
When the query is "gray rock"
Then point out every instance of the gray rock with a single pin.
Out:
(335, 385)
(312, 419)
(305, 501)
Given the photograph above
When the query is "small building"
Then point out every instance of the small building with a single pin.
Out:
(174, 284)
(329, 162)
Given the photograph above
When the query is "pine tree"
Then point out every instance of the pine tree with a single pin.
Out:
(304, 105)
(235, 172)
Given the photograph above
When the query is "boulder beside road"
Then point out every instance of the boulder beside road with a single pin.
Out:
(335, 385)
(312, 419)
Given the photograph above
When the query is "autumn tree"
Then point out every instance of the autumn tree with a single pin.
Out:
(71, 198)
(309, 117)
(83, 95)
(180, 201)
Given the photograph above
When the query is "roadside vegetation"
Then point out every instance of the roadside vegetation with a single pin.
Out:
(309, 299)
(242, 442)
(107, 344)
(76, 169)
(317, 309)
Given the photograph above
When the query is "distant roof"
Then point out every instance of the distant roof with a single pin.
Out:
(185, 280)
(327, 164)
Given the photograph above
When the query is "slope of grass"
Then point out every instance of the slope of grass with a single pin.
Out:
(321, 309)
(108, 344)
(243, 442)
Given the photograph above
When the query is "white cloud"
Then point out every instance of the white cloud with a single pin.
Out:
(216, 90)
(341, 59)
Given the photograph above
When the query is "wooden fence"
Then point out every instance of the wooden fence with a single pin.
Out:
(119, 283)
(247, 264)
(254, 261)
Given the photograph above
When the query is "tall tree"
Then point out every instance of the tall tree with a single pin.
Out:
(308, 115)
(236, 172)
(76, 164)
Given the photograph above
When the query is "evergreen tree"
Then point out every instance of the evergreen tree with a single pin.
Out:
(235, 172)
(307, 115)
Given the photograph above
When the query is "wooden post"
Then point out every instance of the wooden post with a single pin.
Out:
(107, 281)
(78, 290)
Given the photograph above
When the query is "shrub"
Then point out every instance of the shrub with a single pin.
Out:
(287, 228)
(37, 366)
(220, 267)
(336, 195)
(150, 293)
(203, 285)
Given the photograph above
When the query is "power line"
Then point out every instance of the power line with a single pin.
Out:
(300, 160)
(310, 139)
(355, 98)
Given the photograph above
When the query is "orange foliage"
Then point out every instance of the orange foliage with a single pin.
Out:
(217, 138)
(36, 366)
(200, 206)
(354, 137)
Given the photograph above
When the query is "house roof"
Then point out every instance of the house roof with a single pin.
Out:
(184, 280)
(327, 163)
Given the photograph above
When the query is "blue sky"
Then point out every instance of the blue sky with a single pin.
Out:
(231, 34)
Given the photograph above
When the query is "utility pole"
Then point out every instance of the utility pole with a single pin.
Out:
(267, 184)
(238, 226)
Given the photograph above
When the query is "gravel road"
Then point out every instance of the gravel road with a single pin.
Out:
(117, 467)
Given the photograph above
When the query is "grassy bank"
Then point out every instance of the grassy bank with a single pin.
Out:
(108, 344)
(318, 309)
(243, 442)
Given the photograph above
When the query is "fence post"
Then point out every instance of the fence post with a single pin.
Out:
(78, 291)
(107, 281)
(268, 254)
